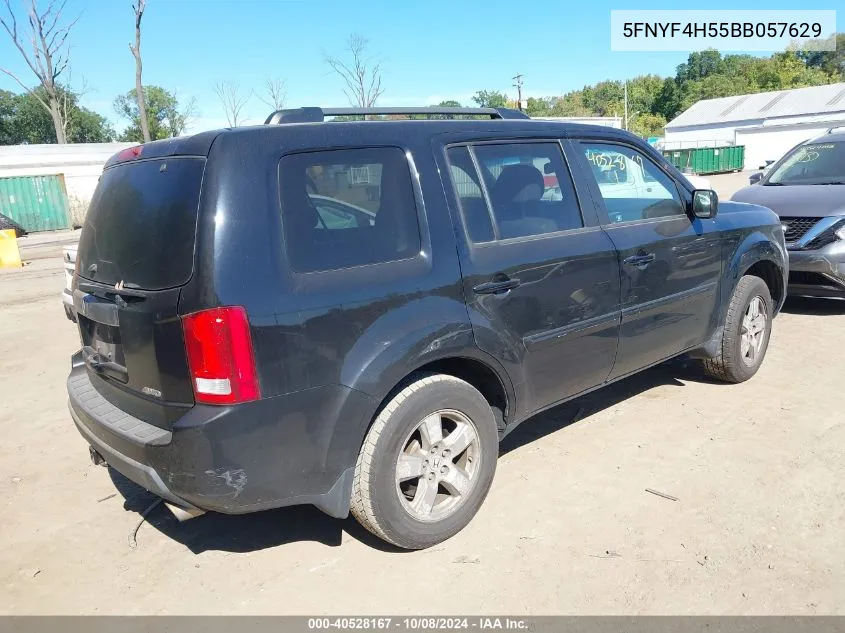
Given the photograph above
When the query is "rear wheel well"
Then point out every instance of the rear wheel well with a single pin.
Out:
(769, 272)
(476, 373)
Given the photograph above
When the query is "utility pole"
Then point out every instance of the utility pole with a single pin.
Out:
(518, 86)
(626, 104)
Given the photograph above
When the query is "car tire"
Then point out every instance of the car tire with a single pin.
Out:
(745, 338)
(412, 488)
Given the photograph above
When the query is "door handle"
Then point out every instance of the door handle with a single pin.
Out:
(495, 287)
(639, 260)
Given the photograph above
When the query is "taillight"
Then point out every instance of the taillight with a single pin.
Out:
(220, 358)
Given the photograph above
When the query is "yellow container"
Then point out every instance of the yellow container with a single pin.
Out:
(10, 255)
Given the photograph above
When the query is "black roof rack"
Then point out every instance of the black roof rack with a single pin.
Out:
(318, 115)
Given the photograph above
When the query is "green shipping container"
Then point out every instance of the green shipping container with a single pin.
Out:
(37, 203)
(708, 160)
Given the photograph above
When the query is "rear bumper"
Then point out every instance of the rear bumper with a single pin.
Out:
(818, 273)
(289, 450)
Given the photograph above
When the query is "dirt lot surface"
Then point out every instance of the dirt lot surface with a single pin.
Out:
(726, 184)
(568, 527)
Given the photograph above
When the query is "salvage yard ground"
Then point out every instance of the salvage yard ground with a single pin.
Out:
(757, 470)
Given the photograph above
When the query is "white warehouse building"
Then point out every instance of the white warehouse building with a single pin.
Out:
(768, 124)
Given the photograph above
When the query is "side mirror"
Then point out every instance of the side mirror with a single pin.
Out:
(705, 203)
(753, 179)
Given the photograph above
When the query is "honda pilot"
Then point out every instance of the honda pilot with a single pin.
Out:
(353, 313)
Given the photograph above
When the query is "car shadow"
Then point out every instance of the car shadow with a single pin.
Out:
(536, 427)
(813, 307)
(240, 533)
(272, 528)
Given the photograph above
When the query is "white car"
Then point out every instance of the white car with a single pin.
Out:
(69, 262)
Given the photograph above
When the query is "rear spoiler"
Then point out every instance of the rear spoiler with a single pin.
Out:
(196, 145)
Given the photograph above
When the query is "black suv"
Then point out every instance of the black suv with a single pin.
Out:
(352, 313)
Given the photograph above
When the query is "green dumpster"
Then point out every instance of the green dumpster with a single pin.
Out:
(37, 203)
(708, 160)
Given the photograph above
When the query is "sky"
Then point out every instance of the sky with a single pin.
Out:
(430, 51)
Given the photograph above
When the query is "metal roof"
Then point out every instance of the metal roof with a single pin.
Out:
(764, 105)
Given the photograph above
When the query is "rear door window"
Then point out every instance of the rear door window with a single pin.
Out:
(141, 224)
(346, 208)
(528, 186)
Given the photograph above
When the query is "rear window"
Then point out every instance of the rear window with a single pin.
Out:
(141, 224)
(345, 208)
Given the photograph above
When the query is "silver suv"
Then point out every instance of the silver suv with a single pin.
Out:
(806, 188)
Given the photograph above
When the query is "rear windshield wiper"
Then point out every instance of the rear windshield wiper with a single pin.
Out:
(122, 292)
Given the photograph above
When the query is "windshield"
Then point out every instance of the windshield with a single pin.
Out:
(812, 164)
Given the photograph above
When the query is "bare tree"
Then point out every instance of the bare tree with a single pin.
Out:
(275, 93)
(361, 73)
(139, 86)
(44, 49)
(232, 99)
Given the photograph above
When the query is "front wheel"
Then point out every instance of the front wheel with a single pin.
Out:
(748, 327)
(427, 463)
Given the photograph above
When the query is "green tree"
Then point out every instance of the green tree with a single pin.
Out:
(539, 106)
(86, 126)
(25, 120)
(165, 115)
(699, 65)
(32, 123)
(647, 124)
(570, 104)
(654, 100)
(8, 101)
(792, 72)
(449, 103)
(643, 92)
(606, 98)
(668, 101)
(831, 62)
(490, 99)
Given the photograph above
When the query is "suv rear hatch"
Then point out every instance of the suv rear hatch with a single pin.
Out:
(135, 254)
